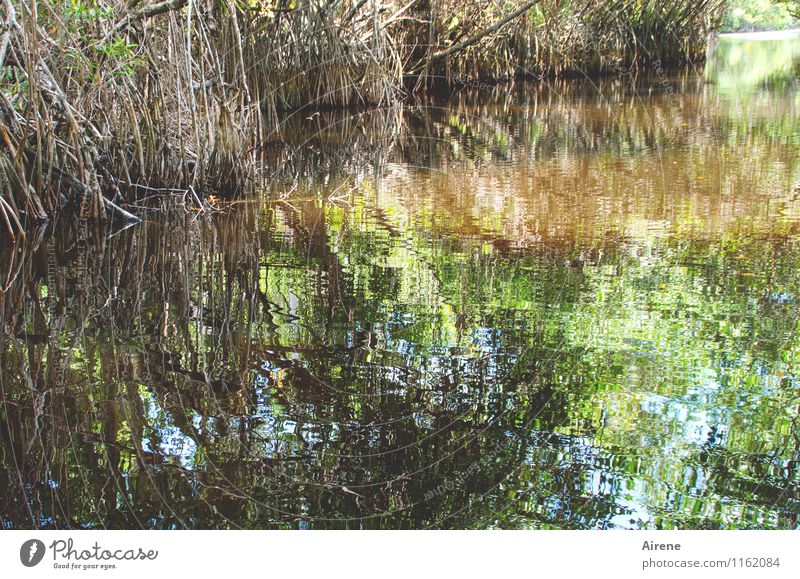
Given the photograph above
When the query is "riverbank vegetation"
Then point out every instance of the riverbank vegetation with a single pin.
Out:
(106, 101)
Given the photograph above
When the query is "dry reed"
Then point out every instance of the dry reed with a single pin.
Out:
(103, 101)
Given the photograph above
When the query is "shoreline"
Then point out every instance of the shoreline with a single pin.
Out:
(762, 35)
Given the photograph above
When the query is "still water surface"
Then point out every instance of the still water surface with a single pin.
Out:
(569, 305)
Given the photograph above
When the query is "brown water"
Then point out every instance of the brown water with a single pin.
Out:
(570, 305)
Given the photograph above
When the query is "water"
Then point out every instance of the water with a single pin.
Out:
(570, 305)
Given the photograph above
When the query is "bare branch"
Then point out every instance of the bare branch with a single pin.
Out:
(146, 12)
(485, 32)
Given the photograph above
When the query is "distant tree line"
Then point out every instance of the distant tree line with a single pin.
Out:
(761, 15)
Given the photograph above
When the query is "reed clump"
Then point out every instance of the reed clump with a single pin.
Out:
(555, 37)
(106, 101)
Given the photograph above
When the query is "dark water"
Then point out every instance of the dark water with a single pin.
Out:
(571, 305)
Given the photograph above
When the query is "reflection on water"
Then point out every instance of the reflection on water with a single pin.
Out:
(573, 305)
(747, 63)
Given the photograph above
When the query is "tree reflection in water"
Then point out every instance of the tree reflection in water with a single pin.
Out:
(529, 313)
